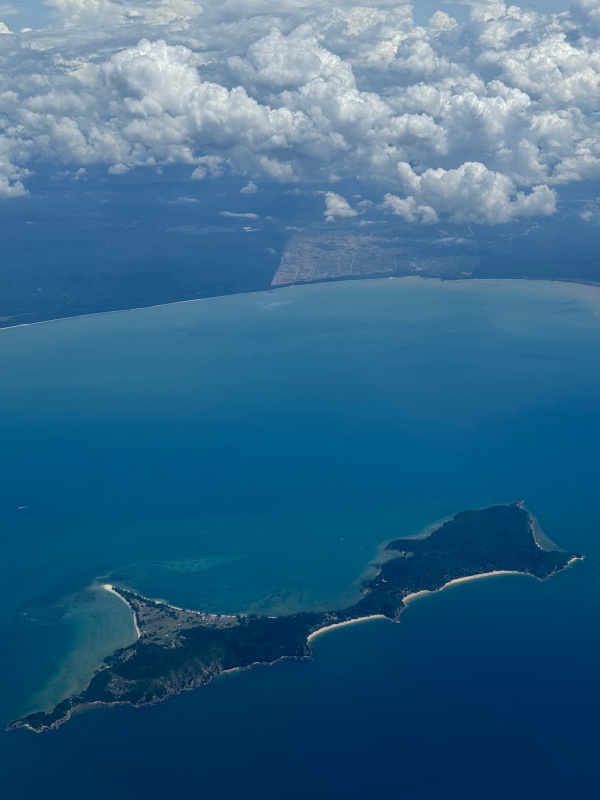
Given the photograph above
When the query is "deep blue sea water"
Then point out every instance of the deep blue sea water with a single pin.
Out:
(251, 452)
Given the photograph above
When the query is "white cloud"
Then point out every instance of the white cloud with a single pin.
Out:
(470, 193)
(409, 209)
(10, 189)
(249, 188)
(95, 13)
(281, 62)
(208, 165)
(245, 215)
(477, 120)
(182, 201)
(586, 14)
(337, 206)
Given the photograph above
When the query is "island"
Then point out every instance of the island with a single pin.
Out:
(178, 650)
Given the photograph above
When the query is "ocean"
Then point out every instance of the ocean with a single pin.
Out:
(250, 453)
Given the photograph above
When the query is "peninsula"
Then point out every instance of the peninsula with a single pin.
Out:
(178, 650)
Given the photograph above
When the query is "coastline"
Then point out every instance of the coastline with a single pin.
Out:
(179, 654)
(109, 588)
(542, 540)
(406, 600)
(415, 595)
(270, 289)
(334, 625)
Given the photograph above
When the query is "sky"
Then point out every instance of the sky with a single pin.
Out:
(472, 112)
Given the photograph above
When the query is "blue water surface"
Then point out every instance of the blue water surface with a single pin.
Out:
(251, 452)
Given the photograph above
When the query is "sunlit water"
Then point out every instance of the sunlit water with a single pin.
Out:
(250, 453)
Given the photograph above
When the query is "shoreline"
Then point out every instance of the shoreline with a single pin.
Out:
(383, 555)
(334, 625)
(109, 588)
(408, 599)
(270, 289)
(200, 667)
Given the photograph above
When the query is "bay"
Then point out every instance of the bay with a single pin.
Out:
(250, 453)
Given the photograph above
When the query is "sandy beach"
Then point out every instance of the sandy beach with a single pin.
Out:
(108, 587)
(415, 595)
(314, 634)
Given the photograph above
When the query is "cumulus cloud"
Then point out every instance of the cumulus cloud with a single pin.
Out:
(118, 169)
(409, 209)
(10, 189)
(337, 206)
(586, 14)
(249, 188)
(470, 193)
(481, 121)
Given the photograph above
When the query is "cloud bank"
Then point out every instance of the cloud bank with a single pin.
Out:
(481, 121)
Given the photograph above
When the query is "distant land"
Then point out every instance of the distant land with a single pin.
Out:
(332, 255)
(70, 253)
(178, 650)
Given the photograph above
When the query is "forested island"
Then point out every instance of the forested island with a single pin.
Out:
(178, 649)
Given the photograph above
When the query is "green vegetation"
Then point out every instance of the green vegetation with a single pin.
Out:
(194, 648)
(498, 538)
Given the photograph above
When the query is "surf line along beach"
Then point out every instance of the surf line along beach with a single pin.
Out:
(181, 650)
(334, 625)
(409, 598)
(109, 588)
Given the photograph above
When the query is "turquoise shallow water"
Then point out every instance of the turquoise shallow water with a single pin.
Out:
(251, 452)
